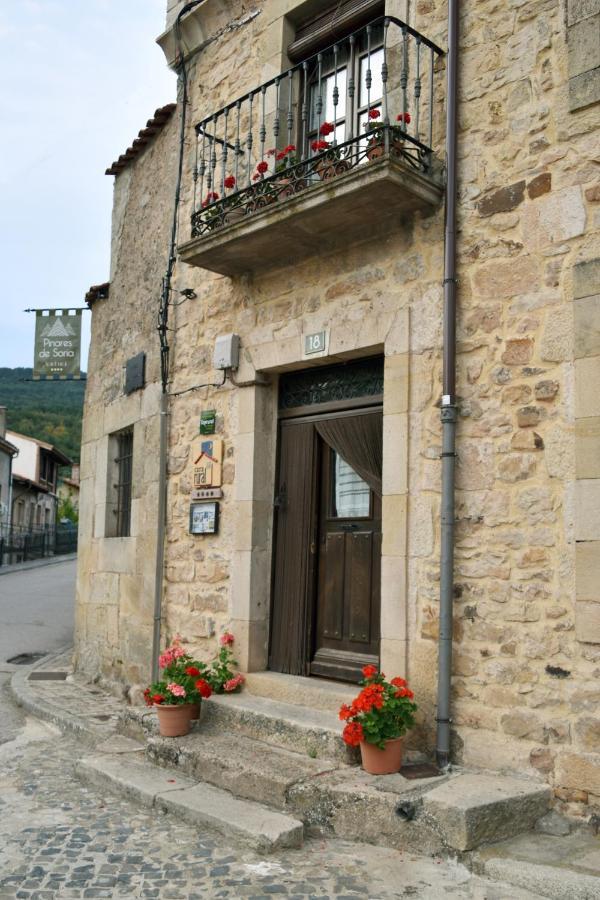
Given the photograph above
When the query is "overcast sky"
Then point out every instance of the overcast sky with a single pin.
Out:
(78, 79)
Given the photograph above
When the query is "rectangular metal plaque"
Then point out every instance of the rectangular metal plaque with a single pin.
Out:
(207, 494)
(316, 343)
(208, 418)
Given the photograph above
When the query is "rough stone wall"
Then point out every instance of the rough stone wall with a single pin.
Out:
(524, 678)
(115, 585)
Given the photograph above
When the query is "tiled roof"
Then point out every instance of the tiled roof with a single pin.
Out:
(97, 292)
(145, 137)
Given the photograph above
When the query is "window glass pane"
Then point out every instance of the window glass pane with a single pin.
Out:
(351, 495)
(329, 111)
(376, 82)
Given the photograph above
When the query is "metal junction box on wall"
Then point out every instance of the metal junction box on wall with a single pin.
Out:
(227, 351)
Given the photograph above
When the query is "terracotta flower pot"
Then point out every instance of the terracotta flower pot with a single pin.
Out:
(194, 711)
(376, 149)
(173, 720)
(382, 762)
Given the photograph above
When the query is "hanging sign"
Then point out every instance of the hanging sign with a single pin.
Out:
(57, 349)
(208, 464)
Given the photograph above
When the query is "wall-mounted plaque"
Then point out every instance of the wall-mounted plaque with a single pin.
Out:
(208, 419)
(207, 494)
(316, 344)
(208, 464)
(204, 518)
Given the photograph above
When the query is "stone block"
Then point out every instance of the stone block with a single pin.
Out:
(584, 90)
(123, 412)
(252, 642)
(539, 185)
(394, 523)
(580, 771)
(517, 352)
(557, 339)
(587, 447)
(581, 9)
(395, 384)
(502, 200)
(586, 278)
(587, 623)
(393, 598)
(587, 570)
(587, 326)
(557, 217)
(584, 45)
(395, 454)
(474, 809)
(587, 387)
(393, 657)
(506, 277)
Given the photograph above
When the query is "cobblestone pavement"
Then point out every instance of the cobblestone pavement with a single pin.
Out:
(60, 839)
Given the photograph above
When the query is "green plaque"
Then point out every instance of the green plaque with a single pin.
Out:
(208, 418)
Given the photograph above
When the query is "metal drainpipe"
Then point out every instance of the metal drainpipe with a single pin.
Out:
(160, 537)
(448, 410)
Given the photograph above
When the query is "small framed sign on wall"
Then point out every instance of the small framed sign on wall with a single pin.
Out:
(204, 518)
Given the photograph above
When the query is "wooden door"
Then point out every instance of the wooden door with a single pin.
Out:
(346, 632)
(293, 568)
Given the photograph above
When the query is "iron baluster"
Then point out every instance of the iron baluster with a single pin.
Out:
(195, 175)
(336, 93)
(263, 128)
(404, 76)
(431, 61)
(249, 138)
(276, 119)
(350, 112)
(304, 144)
(202, 165)
(368, 73)
(418, 89)
(213, 158)
(224, 156)
(290, 112)
(319, 104)
(384, 80)
(237, 149)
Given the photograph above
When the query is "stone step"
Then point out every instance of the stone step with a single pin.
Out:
(454, 812)
(314, 693)
(316, 732)
(248, 768)
(557, 867)
(198, 804)
(475, 809)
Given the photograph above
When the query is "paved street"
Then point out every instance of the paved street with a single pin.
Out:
(60, 839)
(36, 615)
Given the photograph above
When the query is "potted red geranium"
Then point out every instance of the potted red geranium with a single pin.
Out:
(331, 162)
(377, 719)
(375, 133)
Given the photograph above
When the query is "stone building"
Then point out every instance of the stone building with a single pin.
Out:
(327, 262)
(35, 479)
(8, 452)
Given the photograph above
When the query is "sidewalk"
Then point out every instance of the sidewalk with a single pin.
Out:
(37, 563)
(529, 866)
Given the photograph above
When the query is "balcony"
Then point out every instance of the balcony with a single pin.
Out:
(335, 150)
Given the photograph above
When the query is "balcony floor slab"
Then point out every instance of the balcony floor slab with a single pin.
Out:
(371, 199)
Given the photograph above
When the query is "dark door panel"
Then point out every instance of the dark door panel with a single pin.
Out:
(294, 549)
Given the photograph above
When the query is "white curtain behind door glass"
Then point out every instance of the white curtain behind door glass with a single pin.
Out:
(352, 494)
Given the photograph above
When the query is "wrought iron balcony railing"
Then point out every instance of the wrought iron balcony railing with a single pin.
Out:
(369, 95)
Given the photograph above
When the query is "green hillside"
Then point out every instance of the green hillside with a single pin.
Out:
(48, 410)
